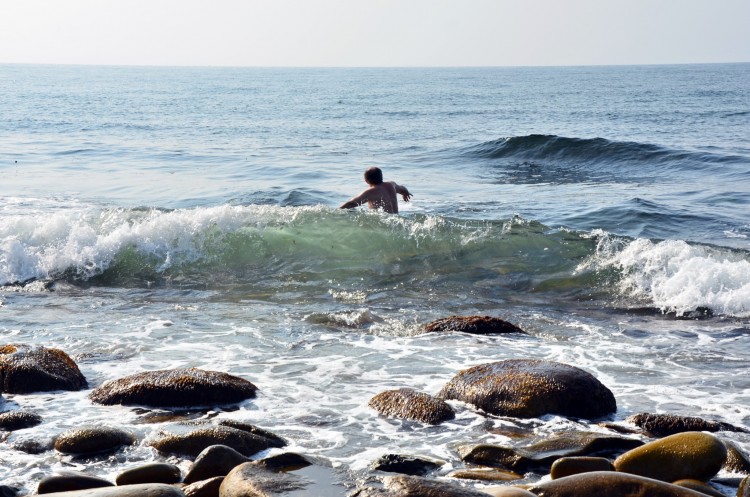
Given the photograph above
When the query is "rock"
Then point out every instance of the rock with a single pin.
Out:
(18, 420)
(662, 425)
(193, 443)
(609, 484)
(744, 489)
(175, 388)
(484, 474)
(415, 486)
(406, 403)
(540, 456)
(65, 481)
(737, 461)
(8, 491)
(143, 490)
(251, 480)
(693, 455)
(567, 466)
(92, 440)
(205, 488)
(214, 460)
(508, 491)
(150, 473)
(255, 430)
(287, 461)
(30, 446)
(528, 388)
(24, 369)
(699, 486)
(408, 465)
(477, 325)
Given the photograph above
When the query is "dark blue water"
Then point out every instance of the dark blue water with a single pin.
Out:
(164, 217)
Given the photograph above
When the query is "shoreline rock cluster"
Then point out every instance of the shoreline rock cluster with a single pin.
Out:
(649, 454)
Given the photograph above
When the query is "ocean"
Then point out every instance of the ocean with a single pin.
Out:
(154, 218)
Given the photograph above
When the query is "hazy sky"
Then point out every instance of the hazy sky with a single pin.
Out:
(374, 32)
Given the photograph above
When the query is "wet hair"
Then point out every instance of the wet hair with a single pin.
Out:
(374, 176)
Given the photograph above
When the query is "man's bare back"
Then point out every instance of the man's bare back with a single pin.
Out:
(380, 195)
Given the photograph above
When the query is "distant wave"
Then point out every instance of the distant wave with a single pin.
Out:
(267, 248)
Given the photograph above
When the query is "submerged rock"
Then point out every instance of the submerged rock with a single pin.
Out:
(662, 425)
(610, 484)
(690, 455)
(18, 420)
(25, 369)
(175, 388)
(477, 325)
(92, 440)
(193, 443)
(528, 388)
(406, 403)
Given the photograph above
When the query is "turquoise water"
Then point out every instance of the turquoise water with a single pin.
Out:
(169, 217)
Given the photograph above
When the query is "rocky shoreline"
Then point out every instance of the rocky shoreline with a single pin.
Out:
(645, 454)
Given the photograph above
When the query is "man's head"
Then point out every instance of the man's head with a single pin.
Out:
(374, 176)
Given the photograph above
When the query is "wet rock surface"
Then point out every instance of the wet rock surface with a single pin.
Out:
(193, 443)
(662, 425)
(476, 325)
(529, 388)
(92, 440)
(19, 420)
(175, 388)
(25, 369)
(406, 403)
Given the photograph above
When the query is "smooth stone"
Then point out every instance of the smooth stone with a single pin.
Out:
(508, 491)
(484, 474)
(19, 420)
(8, 491)
(150, 473)
(567, 466)
(286, 461)
(476, 325)
(408, 465)
(530, 388)
(610, 484)
(406, 403)
(693, 455)
(204, 488)
(65, 481)
(143, 490)
(183, 387)
(737, 461)
(92, 440)
(25, 369)
(193, 443)
(213, 461)
(699, 486)
(250, 480)
(662, 425)
(255, 430)
(416, 486)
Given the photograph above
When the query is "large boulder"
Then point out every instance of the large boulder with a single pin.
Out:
(406, 403)
(662, 425)
(193, 443)
(529, 388)
(477, 325)
(690, 455)
(185, 387)
(25, 369)
(89, 440)
(610, 484)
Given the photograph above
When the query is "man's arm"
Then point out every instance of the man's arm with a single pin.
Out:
(401, 190)
(356, 201)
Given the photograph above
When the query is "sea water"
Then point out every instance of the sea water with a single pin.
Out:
(156, 218)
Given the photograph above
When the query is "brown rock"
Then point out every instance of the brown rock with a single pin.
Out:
(567, 466)
(150, 473)
(213, 461)
(693, 455)
(737, 461)
(528, 388)
(699, 486)
(744, 489)
(662, 425)
(408, 465)
(286, 461)
(175, 388)
(477, 325)
(415, 486)
(92, 440)
(508, 491)
(205, 488)
(24, 369)
(144, 490)
(484, 474)
(255, 430)
(251, 480)
(18, 420)
(193, 443)
(65, 481)
(610, 484)
(406, 403)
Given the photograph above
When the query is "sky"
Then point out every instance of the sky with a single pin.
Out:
(374, 33)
